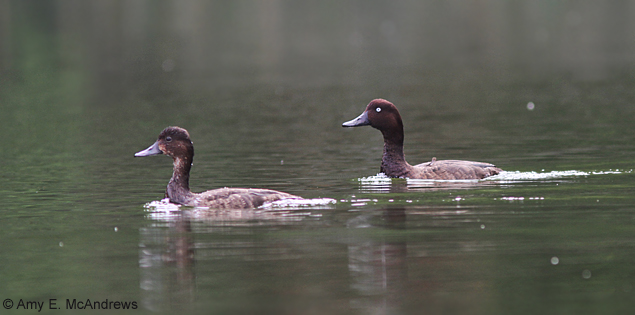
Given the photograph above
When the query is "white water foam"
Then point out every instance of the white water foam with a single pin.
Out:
(165, 205)
(377, 183)
(164, 210)
(520, 176)
(316, 203)
(162, 205)
(379, 179)
(382, 180)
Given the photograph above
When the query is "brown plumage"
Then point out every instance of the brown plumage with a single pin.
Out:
(175, 142)
(384, 116)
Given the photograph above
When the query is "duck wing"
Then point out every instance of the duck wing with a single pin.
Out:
(454, 169)
(238, 198)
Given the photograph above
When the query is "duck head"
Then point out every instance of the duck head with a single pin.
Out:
(382, 115)
(174, 142)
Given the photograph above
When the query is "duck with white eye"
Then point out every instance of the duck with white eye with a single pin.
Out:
(384, 116)
(175, 142)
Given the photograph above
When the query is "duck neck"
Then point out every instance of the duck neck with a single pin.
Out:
(393, 162)
(179, 186)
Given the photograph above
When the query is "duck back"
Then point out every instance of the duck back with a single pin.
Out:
(453, 170)
(236, 198)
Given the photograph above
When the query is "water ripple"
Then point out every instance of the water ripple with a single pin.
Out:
(518, 175)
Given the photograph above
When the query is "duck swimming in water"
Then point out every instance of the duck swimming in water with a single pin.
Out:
(175, 142)
(383, 115)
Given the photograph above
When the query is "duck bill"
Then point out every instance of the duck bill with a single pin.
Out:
(151, 150)
(361, 120)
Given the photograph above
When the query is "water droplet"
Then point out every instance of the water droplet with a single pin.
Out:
(531, 106)
(281, 162)
(555, 260)
(61, 244)
(168, 65)
(482, 226)
(116, 229)
(586, 274)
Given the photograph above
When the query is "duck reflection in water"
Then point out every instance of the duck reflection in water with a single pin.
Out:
(166, 261)
(378, 268)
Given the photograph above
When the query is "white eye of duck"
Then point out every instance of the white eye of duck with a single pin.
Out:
(378, 109)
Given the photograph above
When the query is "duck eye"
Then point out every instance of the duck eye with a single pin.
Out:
(168, 139)
(378, 109)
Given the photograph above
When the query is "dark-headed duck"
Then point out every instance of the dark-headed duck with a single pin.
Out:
(383, 115)
(175, 142)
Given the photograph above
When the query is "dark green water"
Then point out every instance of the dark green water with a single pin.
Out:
(263, 90)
